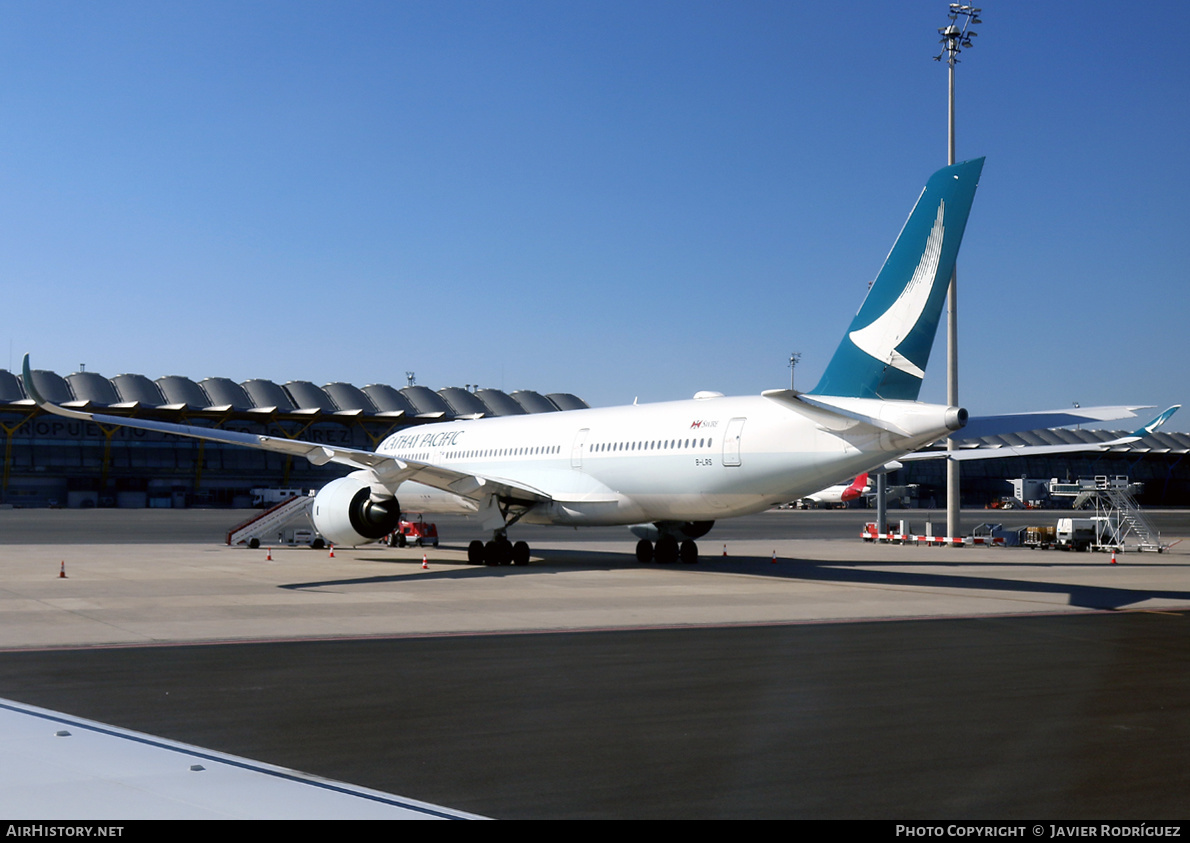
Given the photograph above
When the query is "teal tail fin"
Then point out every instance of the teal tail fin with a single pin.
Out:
(885, 351)
(1152, 426)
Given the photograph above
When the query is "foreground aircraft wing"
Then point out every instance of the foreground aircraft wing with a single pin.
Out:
(993, 452)
(387, 470)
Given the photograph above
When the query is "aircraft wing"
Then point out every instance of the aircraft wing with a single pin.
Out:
(388, 470)
(993, 452)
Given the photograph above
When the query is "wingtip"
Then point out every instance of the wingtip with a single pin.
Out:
(27, 381)
(1164, 417)
(40, 400)
(1152, 426)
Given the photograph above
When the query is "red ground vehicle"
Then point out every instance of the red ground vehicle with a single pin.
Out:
(414, 532)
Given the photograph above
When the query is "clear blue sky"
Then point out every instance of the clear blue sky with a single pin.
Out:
(615, 199)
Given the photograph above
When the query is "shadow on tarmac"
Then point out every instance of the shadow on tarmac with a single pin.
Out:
(837, 572)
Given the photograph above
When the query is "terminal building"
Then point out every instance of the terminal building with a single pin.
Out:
(54, 461)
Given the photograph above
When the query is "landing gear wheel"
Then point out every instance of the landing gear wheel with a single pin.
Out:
(689, 552)
(667, 550)
(497, 552)
(644, 551)
(475, 553)
(520, 553)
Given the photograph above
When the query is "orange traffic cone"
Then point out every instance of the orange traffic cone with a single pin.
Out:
(269, 558)
(1113, 556)
(332, 552)
(425, 566)
(725, 551)
(774, 557)
(62, 571)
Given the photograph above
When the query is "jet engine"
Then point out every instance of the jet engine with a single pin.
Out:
(346, 514)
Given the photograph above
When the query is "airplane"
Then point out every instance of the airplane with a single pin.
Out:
(668, 470)
(837, 494)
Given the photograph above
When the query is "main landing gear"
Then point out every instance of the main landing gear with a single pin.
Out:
(499, 551)
(667, 551)
(669, 541)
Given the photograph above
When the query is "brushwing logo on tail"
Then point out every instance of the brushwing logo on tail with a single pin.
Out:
(882, 336)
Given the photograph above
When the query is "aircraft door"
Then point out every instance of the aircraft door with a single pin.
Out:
(576, 450)
(731, 442)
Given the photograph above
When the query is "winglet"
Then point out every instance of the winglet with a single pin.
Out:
(27, 378)
(41, 401)
(1151, 427)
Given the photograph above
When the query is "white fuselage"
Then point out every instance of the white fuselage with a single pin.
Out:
(696, 460)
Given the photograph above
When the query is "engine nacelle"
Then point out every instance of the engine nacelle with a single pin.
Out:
(345, 514)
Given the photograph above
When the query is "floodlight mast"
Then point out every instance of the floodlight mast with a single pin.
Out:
(954, 40)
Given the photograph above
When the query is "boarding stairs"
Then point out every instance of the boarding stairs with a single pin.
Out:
(1117, 509)
(1131, 519)
(273, 521)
